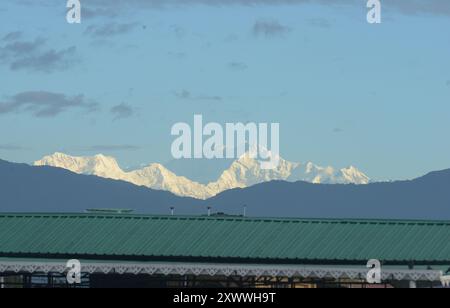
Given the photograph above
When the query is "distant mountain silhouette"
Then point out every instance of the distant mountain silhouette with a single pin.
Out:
(427, 197)
(24, 188)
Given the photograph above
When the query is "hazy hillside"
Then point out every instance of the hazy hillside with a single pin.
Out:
(38, 189)
(427, 197)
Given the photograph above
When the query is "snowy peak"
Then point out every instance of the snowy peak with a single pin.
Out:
(312, 173)
(99, 165)
(353, 175)
(154, 176)
(244, 172)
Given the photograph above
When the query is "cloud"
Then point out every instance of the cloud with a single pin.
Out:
(237, 66)
(185, 94)
(49, 61)
(338, 130)
(115, 8)
(269, 29)
(319, 23)
(19, 48)
(110, 29)
(416, 7)
(12, 147)
(110, 148)
(177, 54)
(179, 31)
(91, 13)
(122, 111)
(34, 56)
(42, 104)
(12, 36)
(209, 97)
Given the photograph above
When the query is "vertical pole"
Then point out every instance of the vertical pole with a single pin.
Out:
(412, 284)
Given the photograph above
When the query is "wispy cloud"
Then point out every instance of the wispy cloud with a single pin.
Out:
(91, 13)
(238, 66)
(122, 111)
(33, 55)
(269, 29)
(42, 104)
(12, 147)
(110, 148)
(16, 48)
(110, 29)
(114, 8)
(319, 23)
(183, 94)
(209, 97)
(12, 36)
(49, 61)
(416, 7)
(177, 54)
(187, 95)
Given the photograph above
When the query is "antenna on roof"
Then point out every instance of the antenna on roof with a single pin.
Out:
(172, 210)
(209, 210)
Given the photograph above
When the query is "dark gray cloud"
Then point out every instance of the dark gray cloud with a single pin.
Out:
(42, 104)
(269, 29)
(122, 111)
(110, 29)
(110, 148)
(238, 66)
(34, 56)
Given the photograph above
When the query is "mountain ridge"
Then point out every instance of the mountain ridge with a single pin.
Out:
(424, 198)
(25, 188)
(243, 172)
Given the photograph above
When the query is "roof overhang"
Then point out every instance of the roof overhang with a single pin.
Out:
(203, 269)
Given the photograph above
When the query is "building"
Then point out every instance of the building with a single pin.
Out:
(125, 250)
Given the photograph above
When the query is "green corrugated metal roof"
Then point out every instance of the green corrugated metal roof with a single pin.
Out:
(223, 238)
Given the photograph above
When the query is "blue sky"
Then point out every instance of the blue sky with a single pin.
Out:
(344, 92)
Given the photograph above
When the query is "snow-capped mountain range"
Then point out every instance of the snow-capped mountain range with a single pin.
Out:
(242, 173)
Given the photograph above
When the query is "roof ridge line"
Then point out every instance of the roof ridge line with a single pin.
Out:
(240, 218)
